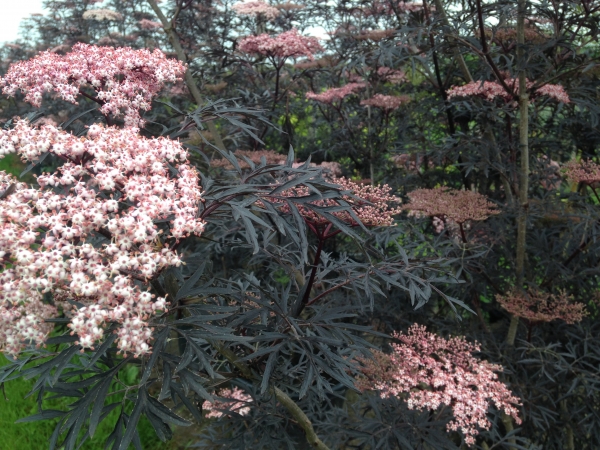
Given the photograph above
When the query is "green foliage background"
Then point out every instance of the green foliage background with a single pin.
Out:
(14, 405)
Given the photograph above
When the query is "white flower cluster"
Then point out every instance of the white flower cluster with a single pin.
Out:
(102, 14)
(125, 80)
(116, 184)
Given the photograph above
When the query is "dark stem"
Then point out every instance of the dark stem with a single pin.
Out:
(277, 70)
(313, 273)
(438, 76)
(486, 54)
(100, 102)
(216, 205)
(576, 252)
(595, 192)
(462, 233)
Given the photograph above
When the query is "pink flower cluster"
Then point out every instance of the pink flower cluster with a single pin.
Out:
(375, 35)
(433, 371)
(450, 204)
(289, 6)
(125, 80)
(587, 172)
(333, 94)
(255, 9)
(371, 205)
(114, 183)
(385, 102)
(390, 7)
(229, 400)
(555, 91)
(285, 45)
(146, 24)
(391, 75)
(539, 306)
(492, 90)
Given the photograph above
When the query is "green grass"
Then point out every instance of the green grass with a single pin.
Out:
(35, 435)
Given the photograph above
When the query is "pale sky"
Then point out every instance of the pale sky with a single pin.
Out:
(11, 14)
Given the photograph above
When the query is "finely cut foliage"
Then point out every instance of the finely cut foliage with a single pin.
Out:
(154, 275)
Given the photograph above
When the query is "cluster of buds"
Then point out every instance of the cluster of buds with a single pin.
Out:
(234, 400)
(102, 14)
(334, 94)
(370, 204)
(256, 8)
(386, 102)
(391, 7)
(289, 7)
(432, 371)
(492, 90)
(124, 80)
(393, 76)
(537, 306)
(290, 44)
(450, 205)
(586, 172)
(146, 24)
(375, 35)
(113, 184)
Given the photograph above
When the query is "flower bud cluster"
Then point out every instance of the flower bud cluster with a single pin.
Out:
(146, 24)
(289, 7)
(391, 7)
(538, 306)
(386, 102)
(390, 75)
(115, 184)
(587, 172)
(125, 80)
(234, 400)
(255, 9)
(286, 45)
(432, 371)
(102, 14)
(375, 35)
(333, 94)
(371, 204)
(450, 204)
(492, 90)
